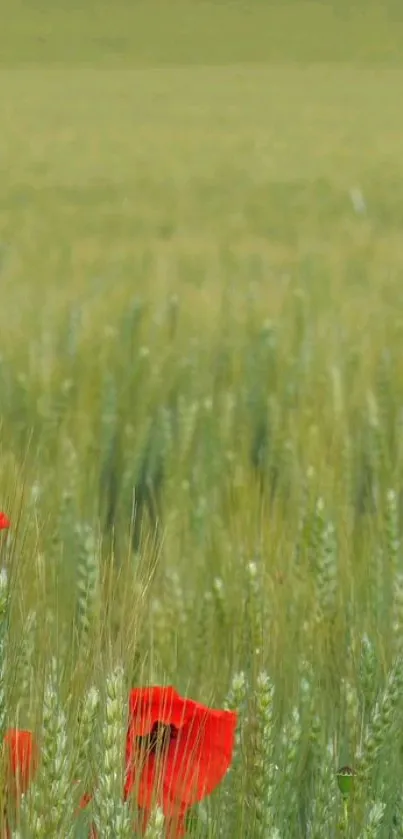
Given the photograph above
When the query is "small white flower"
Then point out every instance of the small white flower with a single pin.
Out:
(358, 201)
(3, 580)
(36, 492)
(218, 585)
(252, 569)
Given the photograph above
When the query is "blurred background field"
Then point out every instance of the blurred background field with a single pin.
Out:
(201, 332)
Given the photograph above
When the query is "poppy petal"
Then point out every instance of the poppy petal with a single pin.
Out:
(142, 819)
(147, 784)
(175, 826)
(199, 758)
(84, 801)
(156, 705)
(4, 521)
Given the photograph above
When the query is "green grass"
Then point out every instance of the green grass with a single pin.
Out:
(201, 319)
(202, 32)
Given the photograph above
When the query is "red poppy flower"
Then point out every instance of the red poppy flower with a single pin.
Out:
(22, 759)
(177, 752)
(21, 755)
(4, 521)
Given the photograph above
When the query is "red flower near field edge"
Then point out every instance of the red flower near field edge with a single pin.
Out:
(177, 752)
(21, 761)
(22, 755)
(4, 521)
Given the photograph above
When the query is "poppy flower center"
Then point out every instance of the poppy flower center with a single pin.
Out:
(158, 739)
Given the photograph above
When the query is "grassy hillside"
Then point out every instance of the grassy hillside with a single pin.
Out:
(183, 32)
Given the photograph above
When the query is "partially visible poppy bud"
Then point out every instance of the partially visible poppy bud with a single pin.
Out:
(345, 780)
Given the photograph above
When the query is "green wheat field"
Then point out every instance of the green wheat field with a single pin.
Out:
(201, 403)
